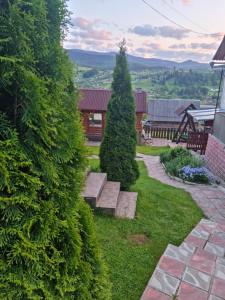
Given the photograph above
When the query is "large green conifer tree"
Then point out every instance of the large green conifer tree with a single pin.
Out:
(48, 247)
(118, 148)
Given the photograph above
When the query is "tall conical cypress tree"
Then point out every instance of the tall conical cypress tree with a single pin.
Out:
(118, 148)
(48, 247)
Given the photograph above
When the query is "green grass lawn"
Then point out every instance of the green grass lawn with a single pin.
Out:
(149, 150)
(92, 150)
(164, 215)
(152, 150)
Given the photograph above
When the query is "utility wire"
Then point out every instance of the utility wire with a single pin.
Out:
(184, 16)
(177, 24)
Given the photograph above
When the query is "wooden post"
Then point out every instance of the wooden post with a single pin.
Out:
(179, 128)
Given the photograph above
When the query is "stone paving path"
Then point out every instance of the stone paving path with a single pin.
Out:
(211, 199)
(193, 271)
(196, 269)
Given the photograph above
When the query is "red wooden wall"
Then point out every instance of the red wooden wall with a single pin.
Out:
(96, 133)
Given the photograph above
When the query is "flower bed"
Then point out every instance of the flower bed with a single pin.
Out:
(179, 162)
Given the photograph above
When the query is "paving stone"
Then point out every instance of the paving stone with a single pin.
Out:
(180, 254)
(206, 227)
(197, 278)
(218, 288)
(164, 283)
(209, 224)
(206, 255)
(200, 233)
(215, 249)
(171, 266)
(214, 298)
(218, 238)
(189, 292)
(220, 261)
(221, 227)
(200, 263)
(196, 241)
(152, 294)
(188, 248)
(126, 205)
(220, 271)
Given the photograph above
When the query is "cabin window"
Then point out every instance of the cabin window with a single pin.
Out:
(95, 120)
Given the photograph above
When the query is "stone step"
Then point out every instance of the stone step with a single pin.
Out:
(93, 187)
(108, 199)
(126, 206)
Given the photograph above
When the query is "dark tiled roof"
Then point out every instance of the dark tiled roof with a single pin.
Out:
(165, 110)
(97, 100)
(184, 108)
(220, 53)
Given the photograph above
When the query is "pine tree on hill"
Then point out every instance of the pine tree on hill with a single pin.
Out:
(118, 148)
(48, 246)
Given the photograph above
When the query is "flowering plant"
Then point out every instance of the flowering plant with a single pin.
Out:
(194, 174)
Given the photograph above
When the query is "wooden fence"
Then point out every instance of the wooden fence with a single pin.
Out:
(157, 132)
(197, 141)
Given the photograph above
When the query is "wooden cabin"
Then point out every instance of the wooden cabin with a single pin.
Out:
(93, 106)
(162, 113)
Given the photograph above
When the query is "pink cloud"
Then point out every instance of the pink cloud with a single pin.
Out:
(185, 2)
(87, 29)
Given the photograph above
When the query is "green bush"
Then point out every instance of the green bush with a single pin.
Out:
(174, 153)
(118, 148)
(177, 158)
(174, 165)
(48, 245)
(200, 179)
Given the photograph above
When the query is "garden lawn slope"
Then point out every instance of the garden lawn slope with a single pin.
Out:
(164, 215)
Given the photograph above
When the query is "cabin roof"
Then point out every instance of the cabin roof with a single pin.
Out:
(98, 99)
(167, 110)
(219, 58)
(205, 114)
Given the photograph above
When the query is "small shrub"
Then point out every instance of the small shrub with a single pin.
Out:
(173, 166)
(197, 174)
(181, 163)
(164, 157)
(179, 151)
(174, 153)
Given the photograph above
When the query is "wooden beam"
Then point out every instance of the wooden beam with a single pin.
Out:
(179, 128)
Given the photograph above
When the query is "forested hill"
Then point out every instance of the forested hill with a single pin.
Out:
(159, 82)
(106, 60)
(160, 78)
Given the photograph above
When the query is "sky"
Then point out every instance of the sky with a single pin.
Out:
(99, 25)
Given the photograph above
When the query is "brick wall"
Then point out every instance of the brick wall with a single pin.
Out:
(215, 156)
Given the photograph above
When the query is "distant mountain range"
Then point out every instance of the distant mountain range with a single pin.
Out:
(106, 60)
